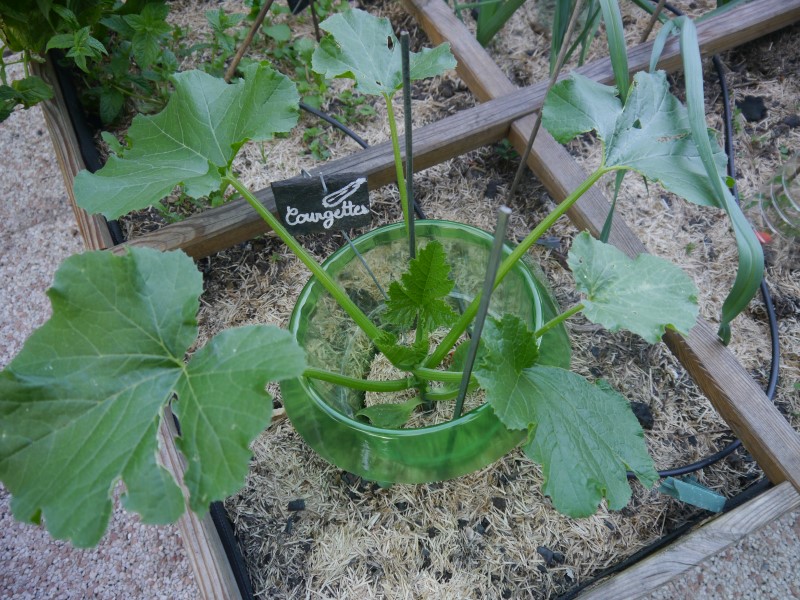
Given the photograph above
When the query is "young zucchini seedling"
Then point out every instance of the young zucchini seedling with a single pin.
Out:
(81, 404)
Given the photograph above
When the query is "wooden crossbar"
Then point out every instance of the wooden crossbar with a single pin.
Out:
(222, 227)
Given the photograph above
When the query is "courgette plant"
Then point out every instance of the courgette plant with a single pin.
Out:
(80, 406)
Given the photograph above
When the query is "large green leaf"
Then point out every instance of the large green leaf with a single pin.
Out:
(192, 141)
(650, 134)
(585, 436)
(419, 296)
(644, 295)
(364, 48)
(81, 404)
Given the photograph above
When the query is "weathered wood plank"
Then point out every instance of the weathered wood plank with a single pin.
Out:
(212, 571)
(236, 222)
(93, 228)
(744, 406)
(692, 549)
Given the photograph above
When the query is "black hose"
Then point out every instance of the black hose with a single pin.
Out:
(772, 384)
(347, 131)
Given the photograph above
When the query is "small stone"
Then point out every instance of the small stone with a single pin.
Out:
(643, 414)
(547, 555)
(499, 503)
(792, 121)
(297, 505)
(752, 107)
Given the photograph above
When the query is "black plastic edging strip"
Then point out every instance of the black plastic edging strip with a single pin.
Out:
(83, 133)
(231, 545)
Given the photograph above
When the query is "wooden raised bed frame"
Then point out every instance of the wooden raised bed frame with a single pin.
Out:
(506, 112)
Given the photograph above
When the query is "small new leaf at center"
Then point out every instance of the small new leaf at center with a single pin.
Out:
(419, 296)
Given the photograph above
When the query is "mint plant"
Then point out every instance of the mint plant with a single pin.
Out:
(81, 404)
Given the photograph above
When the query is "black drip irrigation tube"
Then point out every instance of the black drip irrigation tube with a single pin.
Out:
(219, 515)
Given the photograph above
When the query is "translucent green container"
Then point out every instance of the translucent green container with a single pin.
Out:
(323, 413)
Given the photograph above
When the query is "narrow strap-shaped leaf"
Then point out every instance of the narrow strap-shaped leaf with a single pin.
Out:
(659, 43)
(751, 257)
(560, 20)
(488, 27)
(616, 45)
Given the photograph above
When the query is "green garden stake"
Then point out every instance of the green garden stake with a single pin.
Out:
(503, 213)
(412, 246)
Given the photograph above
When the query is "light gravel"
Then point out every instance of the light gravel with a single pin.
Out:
(37, 231)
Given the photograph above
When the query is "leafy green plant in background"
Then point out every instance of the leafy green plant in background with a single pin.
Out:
(30, 29)
(121, 50)
(93, 382)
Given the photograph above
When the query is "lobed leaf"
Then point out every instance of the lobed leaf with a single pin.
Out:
(419, 296)
(81, 404)
(649, 134)
(364, 48)
(585, 436)
(192, 141)
(644, 295)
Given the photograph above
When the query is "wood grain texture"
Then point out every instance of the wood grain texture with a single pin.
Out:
(487, 123)
(692, 549)
(212, 572)
(744, 406)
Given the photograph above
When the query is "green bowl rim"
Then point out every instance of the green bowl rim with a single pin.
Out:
(465, 418)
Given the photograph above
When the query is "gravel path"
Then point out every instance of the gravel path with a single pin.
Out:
(38, 231)
(135, 561)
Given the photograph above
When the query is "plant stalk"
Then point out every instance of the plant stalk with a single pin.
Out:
(369, 328)
(398, 161)
(407, 132)
(366, 385)
(463, 322)
(437, 375)
(246, 43)
(562, 55)
(557, 320)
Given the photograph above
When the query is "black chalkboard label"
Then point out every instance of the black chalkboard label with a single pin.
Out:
(305, 206)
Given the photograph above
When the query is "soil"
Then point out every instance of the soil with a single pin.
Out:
(492, 534)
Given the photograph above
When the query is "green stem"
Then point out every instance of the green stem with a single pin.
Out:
(398, 161)
(441, 395)
(557, 320)
(366, 385)
(505, 267)
(437, 375)
(309, 261)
